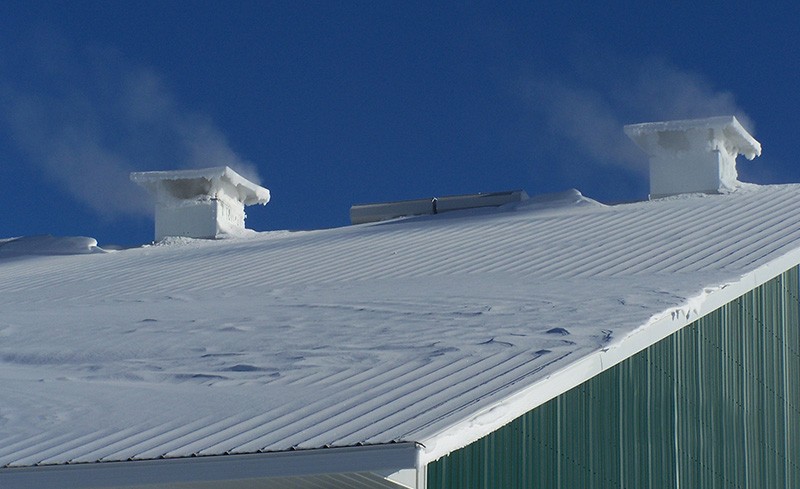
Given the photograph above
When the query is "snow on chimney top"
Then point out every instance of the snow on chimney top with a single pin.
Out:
(205, 203)
(693, 156)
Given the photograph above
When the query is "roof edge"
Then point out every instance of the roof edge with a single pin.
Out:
(504, 411)
(216, 468)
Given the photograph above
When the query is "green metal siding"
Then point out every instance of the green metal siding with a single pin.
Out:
(715, 405)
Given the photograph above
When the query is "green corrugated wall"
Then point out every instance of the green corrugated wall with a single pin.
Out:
(715, 405)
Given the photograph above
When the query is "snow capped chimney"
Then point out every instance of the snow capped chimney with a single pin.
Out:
(693, 156)
(203, 203)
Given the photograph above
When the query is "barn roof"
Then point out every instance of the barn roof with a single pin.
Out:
(428, 332)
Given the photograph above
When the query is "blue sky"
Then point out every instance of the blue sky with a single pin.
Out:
(335, 103)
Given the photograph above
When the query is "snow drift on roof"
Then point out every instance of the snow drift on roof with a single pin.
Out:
(47, 245)
(559, 200)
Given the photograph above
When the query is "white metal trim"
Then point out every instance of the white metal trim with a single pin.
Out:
(373, 458)
(502, 412)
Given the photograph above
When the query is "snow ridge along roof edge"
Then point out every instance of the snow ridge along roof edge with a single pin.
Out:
(493, 417)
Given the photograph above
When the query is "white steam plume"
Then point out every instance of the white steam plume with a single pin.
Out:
(91, 117)
(588, 110)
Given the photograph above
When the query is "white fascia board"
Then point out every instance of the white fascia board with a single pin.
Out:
(504, 411)
(218, 468)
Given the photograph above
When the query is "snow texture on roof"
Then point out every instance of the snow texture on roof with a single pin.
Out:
(189, 184)
(433, 330)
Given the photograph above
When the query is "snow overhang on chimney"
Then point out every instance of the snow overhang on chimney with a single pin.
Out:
(205, 203)
(693, 156)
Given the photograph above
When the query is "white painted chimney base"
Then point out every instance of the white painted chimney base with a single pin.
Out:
(199, 219)
(693, 156)
(204, 203)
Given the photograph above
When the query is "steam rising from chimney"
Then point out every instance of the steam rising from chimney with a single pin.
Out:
(95, 117)
(586, 110)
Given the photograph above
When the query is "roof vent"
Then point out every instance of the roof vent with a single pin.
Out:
(363, 213)
(204, 203)
(693, 156)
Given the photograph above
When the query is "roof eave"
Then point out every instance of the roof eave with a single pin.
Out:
(386, 458)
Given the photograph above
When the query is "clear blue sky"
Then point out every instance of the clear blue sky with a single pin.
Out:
(335, 103)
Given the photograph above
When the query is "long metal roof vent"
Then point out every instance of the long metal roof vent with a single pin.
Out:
(693, 156)
(206, 203)
(363, 213)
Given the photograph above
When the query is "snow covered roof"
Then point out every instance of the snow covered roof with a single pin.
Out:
(428, 332)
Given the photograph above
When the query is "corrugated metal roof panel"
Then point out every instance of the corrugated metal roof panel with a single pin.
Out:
(364, 334)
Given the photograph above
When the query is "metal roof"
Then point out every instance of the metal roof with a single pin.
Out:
(307, 469)
(433, 330)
